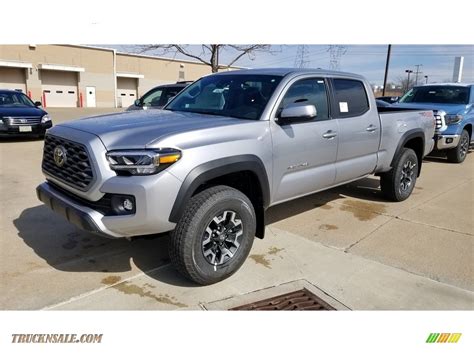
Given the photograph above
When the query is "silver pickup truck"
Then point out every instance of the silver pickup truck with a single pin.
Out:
(221, 152)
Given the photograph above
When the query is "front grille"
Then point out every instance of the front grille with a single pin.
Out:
(76, 171)
(439, 121)
(23, 121)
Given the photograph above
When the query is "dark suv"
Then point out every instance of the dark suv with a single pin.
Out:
(158, 96)
(20, 115)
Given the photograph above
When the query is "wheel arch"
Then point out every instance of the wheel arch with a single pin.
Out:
(246, 173)
(468, 128)
(413, 139)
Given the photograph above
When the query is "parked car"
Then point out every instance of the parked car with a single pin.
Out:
(158, 97)
(456, 102)
(221, 152)
(21, 116)
(389, 99)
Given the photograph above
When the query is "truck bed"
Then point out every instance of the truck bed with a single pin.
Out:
(383, 110)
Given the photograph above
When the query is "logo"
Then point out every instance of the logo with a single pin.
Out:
(59, 155)
(23, 120)
(443, 337)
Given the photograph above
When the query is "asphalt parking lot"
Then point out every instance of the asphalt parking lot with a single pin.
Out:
(348, 243)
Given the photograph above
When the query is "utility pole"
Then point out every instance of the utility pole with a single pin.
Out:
(335, 53)
(301, 60)
(386, 69)
(417, 73)
(408, 71)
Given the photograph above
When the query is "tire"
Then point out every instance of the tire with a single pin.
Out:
(206, 257)
(458, 154)
(398, 183)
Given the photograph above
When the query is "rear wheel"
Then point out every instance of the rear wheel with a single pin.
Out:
(458, 154)
(214, 236)
(398, 183)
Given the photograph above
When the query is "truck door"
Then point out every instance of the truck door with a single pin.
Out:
(359, 130)
(304, 153)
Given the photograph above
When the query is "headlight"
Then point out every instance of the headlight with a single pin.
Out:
(142, 162)
(45, 118)
(453, 119)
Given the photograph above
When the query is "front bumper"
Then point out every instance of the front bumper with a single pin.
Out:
(154, 198)
(83, 217)
(36, 129)
(447, 141)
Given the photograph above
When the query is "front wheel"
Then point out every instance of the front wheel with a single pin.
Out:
(458, 154)
(214, 236)
(398, 183)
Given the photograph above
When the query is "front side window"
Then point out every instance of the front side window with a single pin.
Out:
(152, 99)
(350, 98)
(438, 95)
(233, 95)
(308, 92)
(15, 99)
(168, 94)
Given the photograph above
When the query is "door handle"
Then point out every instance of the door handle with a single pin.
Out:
(371, 128)
(329, 134)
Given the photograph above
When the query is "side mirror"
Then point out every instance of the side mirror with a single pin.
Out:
(38, 103)
(297, 113)
(137, 102)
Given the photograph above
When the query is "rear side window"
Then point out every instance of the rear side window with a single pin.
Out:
(350, 98)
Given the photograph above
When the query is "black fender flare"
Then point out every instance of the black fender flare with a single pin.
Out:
(214, 169)
(407, 136)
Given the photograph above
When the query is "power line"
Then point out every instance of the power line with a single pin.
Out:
(311, 55)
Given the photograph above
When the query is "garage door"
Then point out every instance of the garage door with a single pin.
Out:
(13, 79)
(126, 91)
(59, 88)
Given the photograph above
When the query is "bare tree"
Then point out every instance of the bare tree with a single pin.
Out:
(209, 52)
(404, 83)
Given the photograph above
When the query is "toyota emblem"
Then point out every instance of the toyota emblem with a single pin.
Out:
(60, 155)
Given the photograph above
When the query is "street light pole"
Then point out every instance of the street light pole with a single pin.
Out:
(408, 71)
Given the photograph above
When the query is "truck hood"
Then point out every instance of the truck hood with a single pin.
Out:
(452, 109)
(137, 129)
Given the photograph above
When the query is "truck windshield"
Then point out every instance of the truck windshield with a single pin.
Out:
(233, 95)
(437, 94)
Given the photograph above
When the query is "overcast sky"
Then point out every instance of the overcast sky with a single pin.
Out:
(369, 60)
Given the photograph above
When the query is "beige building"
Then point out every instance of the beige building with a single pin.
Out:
(82, 76)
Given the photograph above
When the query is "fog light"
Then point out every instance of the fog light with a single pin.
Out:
(128, 204)
(449, 140)
(123, 204)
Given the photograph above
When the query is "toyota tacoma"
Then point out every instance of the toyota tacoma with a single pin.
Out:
(208, 165)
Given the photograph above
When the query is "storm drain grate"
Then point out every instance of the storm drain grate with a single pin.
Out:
(301, 300)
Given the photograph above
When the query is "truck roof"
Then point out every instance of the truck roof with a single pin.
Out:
(288, 71)
(450, 84)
